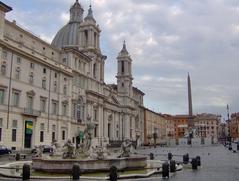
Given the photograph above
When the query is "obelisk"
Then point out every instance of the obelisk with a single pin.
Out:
(190, 107)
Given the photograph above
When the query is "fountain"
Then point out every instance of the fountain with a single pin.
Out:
(90, 158)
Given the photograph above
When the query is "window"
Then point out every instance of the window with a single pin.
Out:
(19, 60)
(64, 109)
(53, 136)
(14, 123)
(32, 65)
(55, 75)
(44, 70)
(43, 104)
(2, 94)
(117, 133)
(31, 78)
(54, 107)
(14, 135)
(86, 37)
(94, 70)
(41, 136)
(29, 102)
(3, 69)
(42, 132)
(63, 135)
(15, 98)
(122, 84)
(95, 114)
(17, 73)
(44, 83)
(122, 67)
(55, 86)
(65, 90)
(1, 129)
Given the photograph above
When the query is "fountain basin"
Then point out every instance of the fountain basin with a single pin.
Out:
(88, 165)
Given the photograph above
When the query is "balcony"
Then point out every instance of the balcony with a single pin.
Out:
(31, 112)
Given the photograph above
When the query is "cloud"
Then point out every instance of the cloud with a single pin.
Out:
(166, 39)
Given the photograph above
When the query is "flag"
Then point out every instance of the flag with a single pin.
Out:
(29, 127)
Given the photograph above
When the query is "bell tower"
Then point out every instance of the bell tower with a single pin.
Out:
(124, 75)
(90, 32)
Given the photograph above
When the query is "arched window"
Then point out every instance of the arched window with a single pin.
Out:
(86, 37)
(122, 67)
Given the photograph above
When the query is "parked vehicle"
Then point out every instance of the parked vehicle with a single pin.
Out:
(4, 150)
(45, 149)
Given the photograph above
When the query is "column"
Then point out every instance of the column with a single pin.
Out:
(2, 23)
(101, 121)
(105, 124)
(126, 126)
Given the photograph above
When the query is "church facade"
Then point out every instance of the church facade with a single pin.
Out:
(50, 91)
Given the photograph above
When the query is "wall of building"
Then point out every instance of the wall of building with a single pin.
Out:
(234, 126)
(154, 123)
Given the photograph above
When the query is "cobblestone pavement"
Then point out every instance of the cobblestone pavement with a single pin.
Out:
(218, 163)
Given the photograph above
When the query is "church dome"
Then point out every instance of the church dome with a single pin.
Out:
(68, 35)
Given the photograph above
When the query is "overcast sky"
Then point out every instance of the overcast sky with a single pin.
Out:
(166, 40)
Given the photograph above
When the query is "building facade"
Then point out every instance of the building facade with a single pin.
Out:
(207, 125)
(155, 127)
(180, 126)
(51, 91)
(234, 126)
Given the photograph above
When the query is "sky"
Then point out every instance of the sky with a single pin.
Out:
(167, 39)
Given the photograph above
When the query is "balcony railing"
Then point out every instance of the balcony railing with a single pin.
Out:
(31, 112)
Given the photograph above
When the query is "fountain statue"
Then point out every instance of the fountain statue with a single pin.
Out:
(126, 148)
(57, 151)
(69, 151)
(91, 157)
